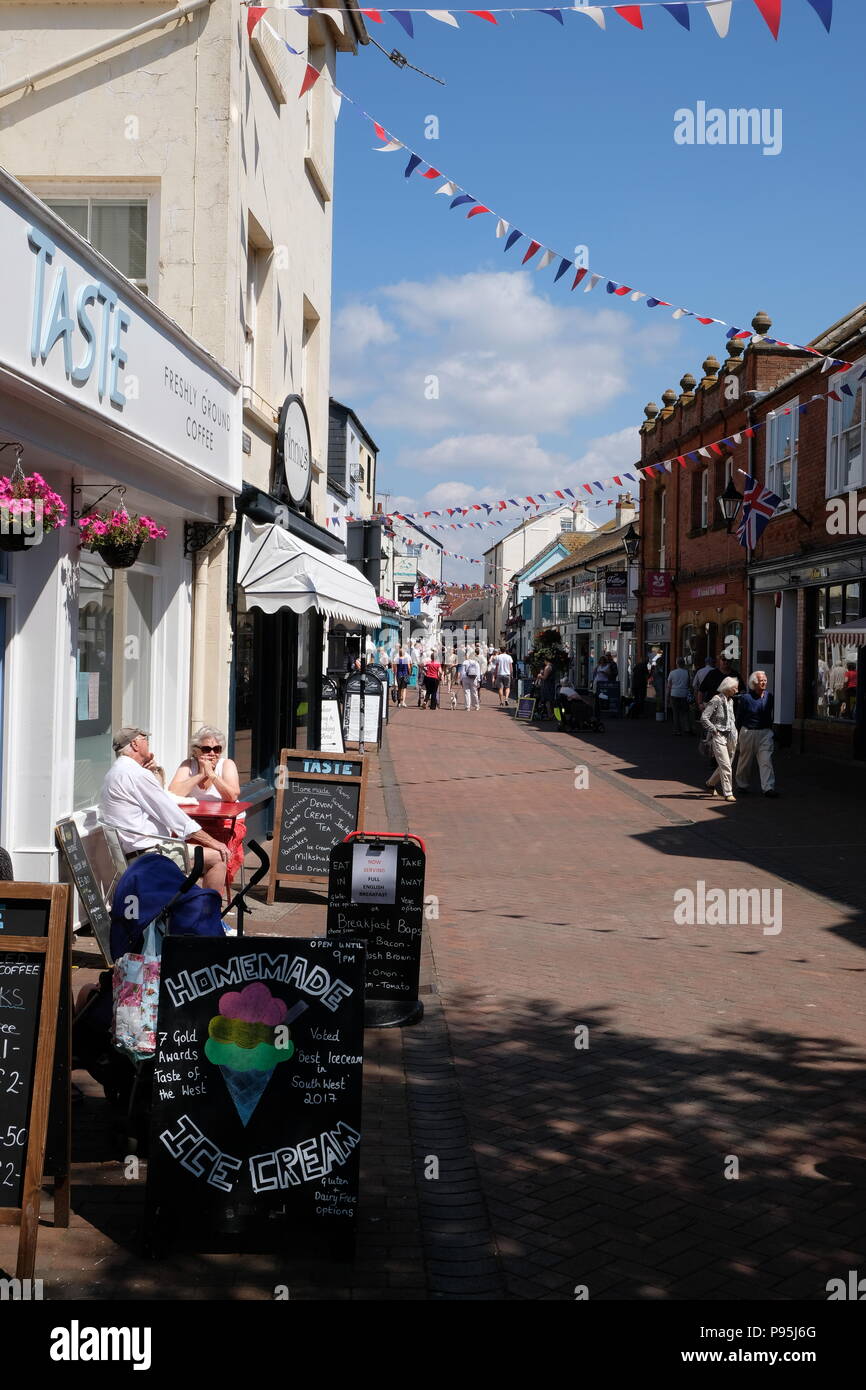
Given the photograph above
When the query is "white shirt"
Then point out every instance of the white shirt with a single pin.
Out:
(132, 800)
(502, 664)
(470, 670)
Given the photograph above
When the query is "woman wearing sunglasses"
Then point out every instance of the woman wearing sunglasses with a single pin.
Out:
(208, 776)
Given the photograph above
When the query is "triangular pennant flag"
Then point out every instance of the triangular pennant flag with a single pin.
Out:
(431, 173)
(846, 389)
(380, 131)
(563, 267)
(545, 260)
(512, 238)
(581, 275)
(375, 15)
(658, 304)
(586, 487)
(473, 212)
(772, 12)
(444, 17)
(414, 161)
(404, 19)
(336, 102)
(461, 199)
(632, 13)
(719, 12)
(834, 396)
(389, 148)
(484, 14)
(254, 14)
(593, 281)
(296, 52)
(501, 227)
(311, 77)
(594, 11)
(554, 14)
(534, 246)
(824, 9)
(636, 295)
(449, 188)
(680, 13)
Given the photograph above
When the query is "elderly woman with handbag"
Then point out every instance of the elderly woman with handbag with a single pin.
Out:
(719, 724)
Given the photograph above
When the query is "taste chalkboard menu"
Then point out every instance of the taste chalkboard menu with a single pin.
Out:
(256, 1117)
(320, 800)
(32, 944)
(376, 895)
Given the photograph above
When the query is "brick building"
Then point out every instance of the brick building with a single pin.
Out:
(807, 575)
(693, 574)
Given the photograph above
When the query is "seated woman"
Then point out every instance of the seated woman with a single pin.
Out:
(208, 776)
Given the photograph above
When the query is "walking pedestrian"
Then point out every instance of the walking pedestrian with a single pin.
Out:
(432, 678)
(547, 691)
(403, 671)
(639, 683)
(451, 669)
(720, 730)
(469, 676)
(503, 669)
(678, 695)
(482, 670)
(700, 676)
(754, 712)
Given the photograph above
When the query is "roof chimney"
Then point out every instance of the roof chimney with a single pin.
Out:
(625, 509)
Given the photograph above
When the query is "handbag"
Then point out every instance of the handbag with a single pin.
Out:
(135, 996)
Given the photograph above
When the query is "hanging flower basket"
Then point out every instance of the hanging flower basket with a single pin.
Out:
(29, 509)
(117, 539)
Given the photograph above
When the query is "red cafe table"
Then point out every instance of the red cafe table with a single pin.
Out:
(206, 810)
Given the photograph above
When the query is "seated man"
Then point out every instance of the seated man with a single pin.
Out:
(132, 801)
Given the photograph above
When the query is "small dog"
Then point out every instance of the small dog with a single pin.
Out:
(453, 699)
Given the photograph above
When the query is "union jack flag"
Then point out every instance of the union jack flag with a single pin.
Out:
(759, 507)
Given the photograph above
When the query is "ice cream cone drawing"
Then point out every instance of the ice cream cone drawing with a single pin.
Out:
(241, 1042)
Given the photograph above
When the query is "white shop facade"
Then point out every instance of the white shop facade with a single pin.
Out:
(113, 405)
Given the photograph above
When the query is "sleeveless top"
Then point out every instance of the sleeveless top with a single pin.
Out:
(206, 793)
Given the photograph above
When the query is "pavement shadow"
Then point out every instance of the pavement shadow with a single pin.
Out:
(646, 1170)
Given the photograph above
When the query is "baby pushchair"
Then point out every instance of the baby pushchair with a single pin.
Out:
(579, 714)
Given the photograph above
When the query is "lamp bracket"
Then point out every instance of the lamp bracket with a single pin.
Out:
(78, 489)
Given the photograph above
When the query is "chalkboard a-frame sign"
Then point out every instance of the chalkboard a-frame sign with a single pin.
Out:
(256, 1117)
(320, 800)
(32, 947)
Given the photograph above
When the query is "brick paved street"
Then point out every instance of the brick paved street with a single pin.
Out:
(709, 1047)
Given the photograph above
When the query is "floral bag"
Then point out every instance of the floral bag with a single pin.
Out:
(135, 995)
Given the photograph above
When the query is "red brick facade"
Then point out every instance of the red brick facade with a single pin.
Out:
(769, 608)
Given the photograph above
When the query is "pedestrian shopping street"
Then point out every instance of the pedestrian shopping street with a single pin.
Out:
(614, 1101)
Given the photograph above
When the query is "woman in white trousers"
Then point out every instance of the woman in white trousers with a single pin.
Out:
(720, 730)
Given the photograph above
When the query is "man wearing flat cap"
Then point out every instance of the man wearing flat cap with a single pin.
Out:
(133, 802)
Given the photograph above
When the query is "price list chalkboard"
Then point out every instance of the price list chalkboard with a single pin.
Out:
(376, 895)
(256, 1117)
(32, 941)
(86, 885)
(320, 800)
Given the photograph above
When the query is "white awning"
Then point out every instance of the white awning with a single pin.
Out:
(280, 570)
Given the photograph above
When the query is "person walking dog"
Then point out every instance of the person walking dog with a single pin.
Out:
(755, 743)
(470, 675)
(718, 722)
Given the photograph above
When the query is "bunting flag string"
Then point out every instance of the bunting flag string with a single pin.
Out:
(554, 497)
(460, 197)
(718, 12)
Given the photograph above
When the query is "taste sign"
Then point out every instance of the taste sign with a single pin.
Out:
(81, 331)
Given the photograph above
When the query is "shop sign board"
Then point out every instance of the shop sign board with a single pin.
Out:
(75, 327)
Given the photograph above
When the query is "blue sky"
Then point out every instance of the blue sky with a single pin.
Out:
(568, 133)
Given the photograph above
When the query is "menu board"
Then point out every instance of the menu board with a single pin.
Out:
(376, 895)
(332, 729)
(372, 716)
(32, 947)
(320, 800)
(256, 1116)
(525, 707)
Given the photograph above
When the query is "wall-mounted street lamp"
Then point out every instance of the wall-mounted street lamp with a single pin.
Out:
(631, 542)
(730, 502)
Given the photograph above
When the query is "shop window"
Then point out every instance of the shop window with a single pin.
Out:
(846, 426)
(732, 642)
(836, 658)
(116, 227)
(113, 666)
(704, 499)
(689, 642)
(660, 519)
(782, 440)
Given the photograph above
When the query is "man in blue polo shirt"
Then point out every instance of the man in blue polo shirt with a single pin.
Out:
(755, 723)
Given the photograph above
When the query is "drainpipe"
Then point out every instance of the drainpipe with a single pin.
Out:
(199, 691)
(30, 80)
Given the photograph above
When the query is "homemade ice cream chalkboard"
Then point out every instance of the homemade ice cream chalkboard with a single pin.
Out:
(256, 1117)
(32, 945)
(320, 800)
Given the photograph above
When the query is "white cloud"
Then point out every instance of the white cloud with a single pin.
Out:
(486, 352)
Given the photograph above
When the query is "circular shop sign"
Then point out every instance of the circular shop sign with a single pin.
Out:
(294, 449)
